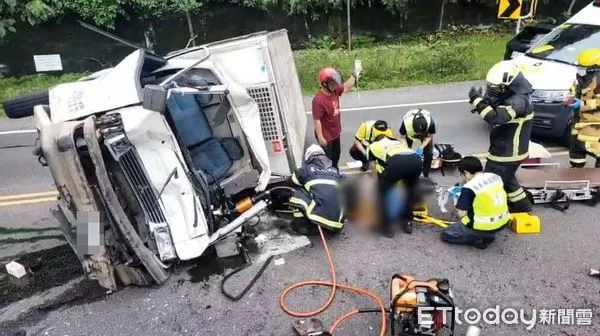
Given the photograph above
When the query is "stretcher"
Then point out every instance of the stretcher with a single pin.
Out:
(550, 184)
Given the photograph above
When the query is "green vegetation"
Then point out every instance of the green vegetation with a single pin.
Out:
(11, 87)
(432, 59)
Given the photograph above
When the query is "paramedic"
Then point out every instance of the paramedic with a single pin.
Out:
(317, 200)
(326, 110)
(393, 162)
(417, 124)
(508, 108)
(482, 206)
(585, 102)
(366, 133)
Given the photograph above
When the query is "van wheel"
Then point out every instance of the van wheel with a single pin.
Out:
(22, 107)
(565, 139)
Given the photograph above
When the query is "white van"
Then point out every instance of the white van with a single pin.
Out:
(549, 66)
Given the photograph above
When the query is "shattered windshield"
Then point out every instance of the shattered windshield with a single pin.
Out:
(566, 42)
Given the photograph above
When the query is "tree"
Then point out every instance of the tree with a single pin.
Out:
(32, 11)
(105, 13)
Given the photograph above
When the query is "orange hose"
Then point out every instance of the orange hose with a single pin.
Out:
(334, 286)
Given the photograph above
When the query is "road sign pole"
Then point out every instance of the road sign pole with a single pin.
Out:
(518, 25)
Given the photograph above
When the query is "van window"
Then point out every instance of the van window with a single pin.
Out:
(565, 43)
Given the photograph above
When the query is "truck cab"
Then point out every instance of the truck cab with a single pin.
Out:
(549, 66)
(151, 157)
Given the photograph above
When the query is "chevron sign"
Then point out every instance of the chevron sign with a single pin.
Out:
(510, 9)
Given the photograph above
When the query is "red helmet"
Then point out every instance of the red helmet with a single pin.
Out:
(331, 75)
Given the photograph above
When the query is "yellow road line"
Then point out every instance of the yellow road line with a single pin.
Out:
(28, 196)
(28, 201)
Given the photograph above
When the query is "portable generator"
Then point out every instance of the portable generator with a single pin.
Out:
(420, 308)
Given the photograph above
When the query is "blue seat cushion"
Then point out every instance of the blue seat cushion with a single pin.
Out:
(212, 158)
(189, 120)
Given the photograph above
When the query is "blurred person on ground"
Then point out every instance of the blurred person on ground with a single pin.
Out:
(482, 206)
(365, 135)
(418, 125)
(326, 110)
(395, 165)
(317, 199)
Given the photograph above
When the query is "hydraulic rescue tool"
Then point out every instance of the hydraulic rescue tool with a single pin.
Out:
(421, 308)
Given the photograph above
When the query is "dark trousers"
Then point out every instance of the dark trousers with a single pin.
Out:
(578, 154)
(333, 151)
(356, 154)
(517, 199)
(406, 168)
(427, 155)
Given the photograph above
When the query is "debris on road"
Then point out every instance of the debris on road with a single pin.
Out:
(279, 261)
(15, 269)
(594, 272)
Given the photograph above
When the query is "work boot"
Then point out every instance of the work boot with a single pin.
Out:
(387, 231)
(407, 227)
(364, 167)
(483, 243)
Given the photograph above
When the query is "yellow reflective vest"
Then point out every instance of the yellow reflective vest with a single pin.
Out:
(408, 123)
(366, 132)
(490, 207)
(381, 151)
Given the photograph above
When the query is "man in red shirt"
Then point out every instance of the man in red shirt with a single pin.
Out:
(326, 110)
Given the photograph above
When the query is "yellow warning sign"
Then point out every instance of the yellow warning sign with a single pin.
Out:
(510, 9)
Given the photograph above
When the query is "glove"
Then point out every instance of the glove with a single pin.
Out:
(474, 94)
(419, 151)
(574, 104)
(454, 192)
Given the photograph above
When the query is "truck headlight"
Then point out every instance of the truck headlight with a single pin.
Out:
(550, 96)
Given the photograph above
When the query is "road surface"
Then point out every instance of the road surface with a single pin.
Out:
(529, 272)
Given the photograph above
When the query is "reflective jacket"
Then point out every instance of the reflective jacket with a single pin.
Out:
(490, 207)
(511, 119)
(384, 149)
(366, 132)
(586, 121)
(408, 123)
(317, 194)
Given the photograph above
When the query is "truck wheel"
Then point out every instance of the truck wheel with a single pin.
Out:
(22, 107)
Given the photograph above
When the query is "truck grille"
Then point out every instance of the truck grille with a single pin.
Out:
(267, 108)
(126, 156)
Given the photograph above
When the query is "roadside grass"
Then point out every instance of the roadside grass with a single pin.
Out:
(11, 87)
(426, 60)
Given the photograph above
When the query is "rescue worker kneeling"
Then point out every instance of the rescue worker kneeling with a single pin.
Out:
(365, 135)
(317, 199)
(482, 206)
(393, 162)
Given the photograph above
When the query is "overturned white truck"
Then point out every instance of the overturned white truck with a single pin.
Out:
(151, 156)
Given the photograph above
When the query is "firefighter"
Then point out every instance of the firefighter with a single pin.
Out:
(508, 108)
(585, 102)
(482, 206)
(418, 125)
(366, 133)
(317, 200)
(393, 162)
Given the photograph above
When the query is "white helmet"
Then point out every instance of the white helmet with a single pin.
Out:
(313, 150)
(502, 73)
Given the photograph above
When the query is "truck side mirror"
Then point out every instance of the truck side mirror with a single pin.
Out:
(154, 98)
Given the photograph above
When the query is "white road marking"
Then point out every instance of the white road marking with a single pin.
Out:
(18, 132)
(380, 107)
(364, 108)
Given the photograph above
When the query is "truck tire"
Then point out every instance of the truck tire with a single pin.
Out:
(22, 107)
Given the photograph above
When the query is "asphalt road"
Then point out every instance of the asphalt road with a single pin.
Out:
(530, 272)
